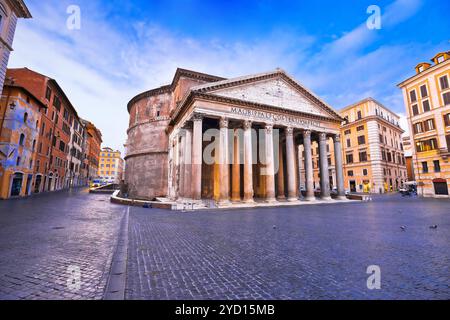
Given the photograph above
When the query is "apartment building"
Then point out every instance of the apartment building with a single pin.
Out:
(427, 100)
(372, 150)
(62, 137)
(20, 115)
(111, 166)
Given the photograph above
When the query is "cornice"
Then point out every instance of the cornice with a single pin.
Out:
(275, 74)
(373, 117)
(149, 93)
(139, 154)
(215, 98)
(423, 73)
(170, 87)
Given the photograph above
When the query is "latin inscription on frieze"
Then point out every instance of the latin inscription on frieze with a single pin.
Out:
(276, 118)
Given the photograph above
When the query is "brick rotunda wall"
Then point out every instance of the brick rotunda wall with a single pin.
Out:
(147, 147)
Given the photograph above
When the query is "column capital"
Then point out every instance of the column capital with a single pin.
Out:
(182, 132)
(307, 134)
(289, 131)
(187, 125)
(247, 124)
(322, 136)
(223, 123)
(269, 128)
(337, 138)
(197, 117)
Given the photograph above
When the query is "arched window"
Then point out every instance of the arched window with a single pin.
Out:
(25, 117)
(22, 139)
(34, 144)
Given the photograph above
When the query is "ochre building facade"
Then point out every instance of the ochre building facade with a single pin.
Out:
(230, 140)
(427, 101)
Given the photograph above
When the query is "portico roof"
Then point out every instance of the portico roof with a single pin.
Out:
(214, 90)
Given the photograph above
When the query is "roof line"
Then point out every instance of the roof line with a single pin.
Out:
(55, 83)
(366, 100)
(428, 70)
(41, 104)
(267, 75)
(169, 87)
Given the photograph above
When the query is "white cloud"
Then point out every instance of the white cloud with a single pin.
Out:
(101, 67)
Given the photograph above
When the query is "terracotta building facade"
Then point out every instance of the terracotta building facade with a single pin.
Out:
(229, 140)
(66, 148)
(92, 152)
(20, 118)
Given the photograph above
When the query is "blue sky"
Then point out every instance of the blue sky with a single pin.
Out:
(126, 47)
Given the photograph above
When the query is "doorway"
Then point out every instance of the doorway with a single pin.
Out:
(16, 186)
(37, 184)
(352, 186)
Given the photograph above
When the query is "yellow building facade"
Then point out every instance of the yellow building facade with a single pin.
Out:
(372, 150)
(427, 100)
(111, 166)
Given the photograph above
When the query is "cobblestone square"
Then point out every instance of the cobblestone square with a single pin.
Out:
(306, 252)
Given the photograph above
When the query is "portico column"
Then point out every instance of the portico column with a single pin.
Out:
(290, 164)
(299, 171)
(224, 171)
(188, 163)
(197, 141)
(269, 168)
(339, 167)
(182, 164)
(236, 169)
(280, 176)
(309, 174)
(324, 172)
(248, 163)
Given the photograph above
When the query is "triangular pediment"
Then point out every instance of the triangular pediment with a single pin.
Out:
(277, 90)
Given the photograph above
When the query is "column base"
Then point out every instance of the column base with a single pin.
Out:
(249, 201)
(341, 198)
(325, 198)
(224, 202)
(236, 200)
(310, 198)
(282, 198)
(270, 200)
(292, 199)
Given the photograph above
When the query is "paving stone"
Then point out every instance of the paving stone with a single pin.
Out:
(35, 255)
(316, 252)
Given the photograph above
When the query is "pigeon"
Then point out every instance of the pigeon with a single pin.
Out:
(433, 227)
(403, 228)
(274, 227)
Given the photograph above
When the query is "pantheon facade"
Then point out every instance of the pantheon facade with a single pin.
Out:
(206, 138)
